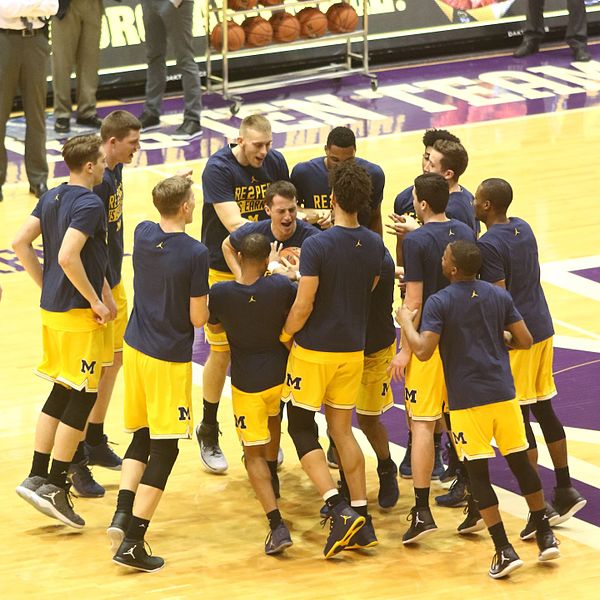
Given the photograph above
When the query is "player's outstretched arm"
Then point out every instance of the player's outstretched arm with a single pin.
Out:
(69, 258)
(229, 214)
(422, 344)
(199, 311)
(230, 255)
(23, 247)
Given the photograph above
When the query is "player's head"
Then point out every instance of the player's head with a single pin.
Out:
(430, 137)
(493, 196)
(340, 146)
(461, 260)
(350, 187)
(431, 194)
(281, 206)
(448, 159)
(120, 133)
(85, 156)
(174, 197)
(254, 250)
(254, 140)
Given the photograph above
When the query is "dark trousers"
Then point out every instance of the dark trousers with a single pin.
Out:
(576, 27)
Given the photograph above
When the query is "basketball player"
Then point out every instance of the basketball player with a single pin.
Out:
(425, 391)
(311, 181)
(467, 320)
(120, 133)
(252, 310)
(171, 289)
(282, 227)
(235, 182)
(328, 320)
(76, 304)
(510, 260)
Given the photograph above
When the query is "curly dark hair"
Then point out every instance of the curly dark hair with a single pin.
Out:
(351, 185)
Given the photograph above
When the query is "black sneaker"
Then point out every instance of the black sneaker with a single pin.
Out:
(188, 130)
(473, 521)
(344, 522)
(117, 529)
(453, 462)
(505, 561)
(278, 540)
(62, 125)
(92, 121)
(56, 502)
(134, 556)
(547, 545)
(567, 501)
(102, 455)
(210, 451)
(405, 468)
(149, 121)
(364, 538)
(332, 462)
(438, 465)
(528, 533)
(457, 495)
(84, 484)
(421, 525)
(388, 487)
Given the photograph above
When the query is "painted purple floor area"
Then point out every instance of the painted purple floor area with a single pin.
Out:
(593, 274)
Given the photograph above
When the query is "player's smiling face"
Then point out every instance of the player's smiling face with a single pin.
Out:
(336, 155)
(123, 150)
(255, 146)
(283, 216)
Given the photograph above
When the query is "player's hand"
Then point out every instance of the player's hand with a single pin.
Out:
(326, 221)
(399, 274)
(288, 344)
(508, 340)
(291, 271)
(276, 248)
(405, 316)
(185, 173)
(109, 301)
(397, 366)
(402, 225)
(101, 313)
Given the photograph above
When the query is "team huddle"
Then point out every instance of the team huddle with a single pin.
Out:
(294, 287)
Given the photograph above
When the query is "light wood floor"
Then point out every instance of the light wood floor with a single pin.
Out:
(210, 528)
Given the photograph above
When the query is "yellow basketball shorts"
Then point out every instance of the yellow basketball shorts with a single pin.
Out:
(313, 378)
(120, 323)
(218, 341)
(375, 394)
(425, 392)
(474, 428)
(158, 395)
(73, 346)
(532, 372)
(251, 411)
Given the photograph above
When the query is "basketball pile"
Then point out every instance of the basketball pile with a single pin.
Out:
(282, 26)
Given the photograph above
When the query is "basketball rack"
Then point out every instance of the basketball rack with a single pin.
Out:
(350, 62)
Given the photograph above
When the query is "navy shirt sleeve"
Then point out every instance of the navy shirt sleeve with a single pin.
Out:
(433, 315)
(87, 216)
(512, 314)
(236, 237)
(37, 211)
(217, 185)
(199, 279)
(412, 259)
(492, 267)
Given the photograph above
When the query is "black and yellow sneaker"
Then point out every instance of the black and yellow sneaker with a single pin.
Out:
(505, 561)
(364, 538)
(134, 555)
(344, 522)
(421, 525)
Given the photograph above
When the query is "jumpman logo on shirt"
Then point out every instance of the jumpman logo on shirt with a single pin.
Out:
(516, 232)
(474, 294)
(252, 299)
(358, 244)
(160, 245)
(451, 232)
(253, 179)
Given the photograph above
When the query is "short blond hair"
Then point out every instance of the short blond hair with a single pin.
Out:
(169, 194)
(255, 122)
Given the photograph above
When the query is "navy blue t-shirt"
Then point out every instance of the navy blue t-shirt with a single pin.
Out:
(225, 180)
(303, 231)
(510, 252)
(381, 331)
(63, 207)
(403, 204)
(168, 270)
(423, 249)
(110, 191)
(346, 260)
(252, 316)
(460, 207)
(311, 179)
(470, 317)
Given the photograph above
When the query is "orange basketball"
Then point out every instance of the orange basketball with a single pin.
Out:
(291, 254)
(258, 32)
(271, 2)
(286, 28)
(342, 18)
(313, 23)
(242, 4)
(235, 36)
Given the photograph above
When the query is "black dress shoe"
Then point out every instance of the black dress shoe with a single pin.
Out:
(62, 125)
(38, 189)
(581, 54)
(526, 48)
(92, 121)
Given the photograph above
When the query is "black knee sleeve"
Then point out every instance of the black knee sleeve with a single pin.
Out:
(303, 430)
(78, 409)
(163, 454)
(551, 427)
(480, 485)
(528, 431)
(447, 421)
(139, 448)
(57, 401)
(527, 477)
